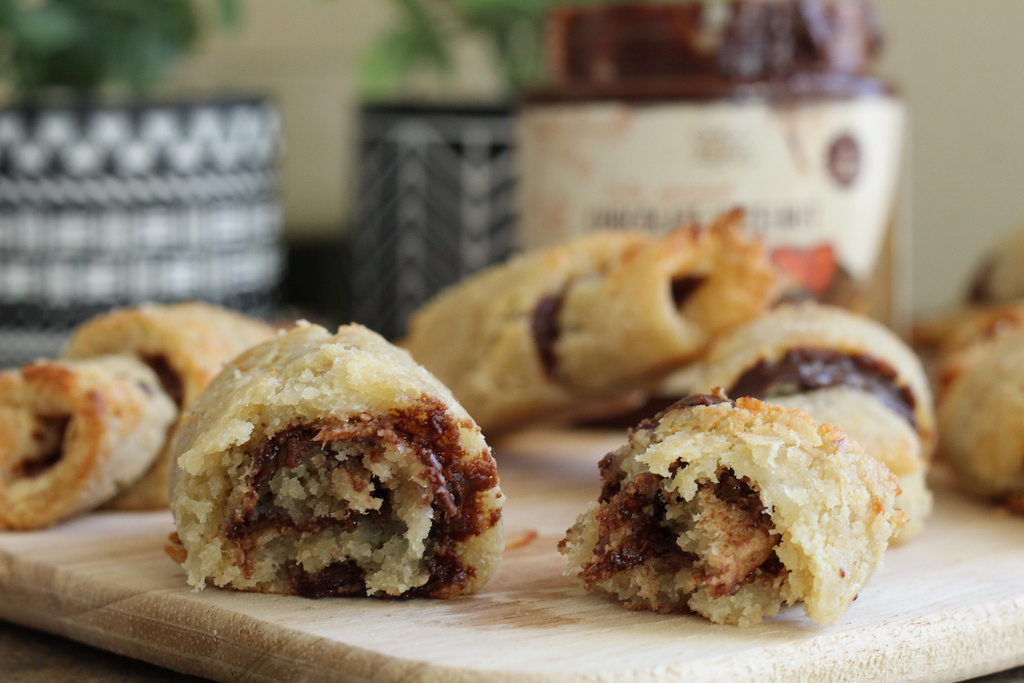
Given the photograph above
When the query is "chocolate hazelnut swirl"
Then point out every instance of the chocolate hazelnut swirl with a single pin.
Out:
(75, 433)
(844, 369)
(589, 320)
(727, 509)
(322, 465)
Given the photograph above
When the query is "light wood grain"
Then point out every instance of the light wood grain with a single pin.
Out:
(947, 606)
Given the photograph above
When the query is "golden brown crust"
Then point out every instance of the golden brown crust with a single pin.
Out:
(73, 434)
(186, 344)
(195, 339)
(551, 331)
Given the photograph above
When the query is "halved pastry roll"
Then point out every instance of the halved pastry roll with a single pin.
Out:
(186, 344)
(731, 509)
(592, 318)
(75, 433)
(844, 369)
(319, 464)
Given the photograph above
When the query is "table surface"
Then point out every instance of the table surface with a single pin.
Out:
(28, 655)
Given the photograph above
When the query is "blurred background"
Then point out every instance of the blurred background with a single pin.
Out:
(953, 61)
(319, 61)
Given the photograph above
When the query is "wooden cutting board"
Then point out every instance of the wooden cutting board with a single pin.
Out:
(948, 605)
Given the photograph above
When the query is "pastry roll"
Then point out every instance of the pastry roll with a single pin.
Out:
(75, 433)
(999, 276)
(731, 509)
(981, 434)
(844, 369)
(961, 338)
(319, 464)
(589, 319)
(186, 344)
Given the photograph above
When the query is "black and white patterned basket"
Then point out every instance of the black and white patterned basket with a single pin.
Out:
(435, 204)
(110, 206)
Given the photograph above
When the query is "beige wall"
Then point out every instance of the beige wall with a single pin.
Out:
(958, 61)
(305, 54)
(302, 53)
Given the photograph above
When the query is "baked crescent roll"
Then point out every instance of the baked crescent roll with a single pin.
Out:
(844, 369)
(999, 277)
(553, 330)
(319, 464)
(980, 428)
(73, 434)
(186, 344)
(733, 508)
(961, 338)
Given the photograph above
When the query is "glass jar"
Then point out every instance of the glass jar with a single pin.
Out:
(662, 114)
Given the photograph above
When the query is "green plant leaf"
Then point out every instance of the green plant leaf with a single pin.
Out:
(229, 13)
(82, 44)
(393, 58)
(420, 41)
(514, 29)
(45, 28)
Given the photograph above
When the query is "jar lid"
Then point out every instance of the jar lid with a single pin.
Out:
(737, 41)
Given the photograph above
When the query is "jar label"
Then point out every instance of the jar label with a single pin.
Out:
(817, 178)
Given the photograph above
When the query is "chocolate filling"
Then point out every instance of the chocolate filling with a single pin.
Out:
(633, 532)
(48, 446)
(337, 578)
(737, 492)
(684, 287)
(169, 379)
(696, 400)
(809, 369)
(692, 401)
(611, 477)
(458, 513)
(746, 520)
(546, 331)
(428, 429)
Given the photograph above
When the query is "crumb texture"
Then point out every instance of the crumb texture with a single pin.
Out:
(321, 464)
(733, 509)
